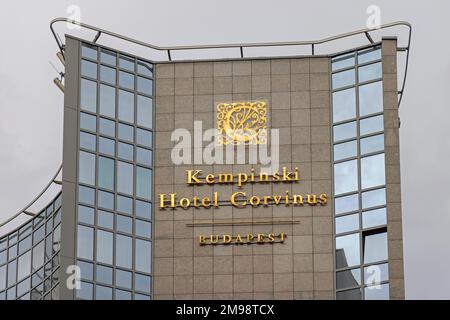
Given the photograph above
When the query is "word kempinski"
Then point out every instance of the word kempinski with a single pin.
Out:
(195, 177)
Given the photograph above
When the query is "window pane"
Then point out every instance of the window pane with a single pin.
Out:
(87, 168)
(369, 72)
(106, 146)
(347, 223)
(86, 214)
(106, 200)
(86, 270)
(2, 277)
(107, 127)
(85, 291)
(345, 150)
(375, 246)
(38, 256)
(144, 137)
(104, 246)
(144, 156)
(24, 266)
(88, 141)
(107, 101)
(371, 125)
(354, 294)
(143, 209)
(369, 55)
(124, 224)
(106, 173)
(108, 74)
(370, 98)
(103, 293)
(376, 273)
(126, 80)
(145, 68)
(343, 62)
(144, 183)
(377, 292)
(88, 122)
(373, 198)
(123, 251)
(344, 78)
(347, 250)
(348, 278)
(126, 63)
(88, 51)
(372, 171)
(145, 112)
(104, 274)
(126, 132)
(105, 219)
(125, 151)
(143, 259)
(86, 195)
(145, 85)
(88, 69)
(123, 279)
(126, 106)
(143, 228)
(122, 295)
(141, 297)
(372, 144)
(88, 95)
(124, 204)
(345, 177)
(374, 218)
(108, 57)
(125, 177)
(142, 282)
(85, 241)
(344, 105)
(344, 131)
(12, 272)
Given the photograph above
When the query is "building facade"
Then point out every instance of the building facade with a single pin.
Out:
(323, 223)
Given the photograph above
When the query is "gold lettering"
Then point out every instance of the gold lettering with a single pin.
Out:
(312, 199)
(233, 200)
(271, 237)
(162, 200)
(255, 201)
(323, 199)
(226, 238)
(185, 203)
(297, 199)
(192, 176)
(260, 237)
(206, 202)
(225, 178)
(242, 177)
(210, 179)
(201, 239)
(276, 199)
(215, 240)
(238, 239)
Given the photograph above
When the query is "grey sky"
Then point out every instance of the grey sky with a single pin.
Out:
(31, 106)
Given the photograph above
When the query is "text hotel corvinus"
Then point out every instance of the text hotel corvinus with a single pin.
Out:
(240, 199)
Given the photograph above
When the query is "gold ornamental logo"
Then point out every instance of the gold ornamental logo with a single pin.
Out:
(242, 123)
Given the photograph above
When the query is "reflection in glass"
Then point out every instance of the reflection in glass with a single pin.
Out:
(124, 251)
(126, 63)
(108, 57)
(347, 223)
(143, 228)
(88, 141)
(12, 272)
(125, 151)
(24, 268)
(348, 278)
(369, 55)
(107, 101)
(124, 177)
(372, 171)
(124, 224)
(104, 246)
(145, 68)
(144, 183)
(88, 69)
(377, 292)
(372, 144)
(371, 125)
(374, 218)
(85, 214)
(106, 173)
(105, 219)
(124, 204)
(88, 122)
(2, 277)
(86, 195)
(106, 200)
(374, 246)
(344, 105)
(143, 259)
(126, 132)
(126, 80)
(122, 295)
(126, 106)
(87, 168)
(85, 243)
(144, 156)
(347, 251)
(145, 112)
(106, 146)
(143, 209)
(145, 85)
(354, 294)
(88, 51)
(108, 74)
(373, 198)
(343, 78)
(344, 131)
(107, 127)
(86, 270)
(344, 61)
(345, 177)
(104, 274)
(144, 137)
(123, 279)
(369, 72)
(376, 273)
(85, 291)
(345, 150)
(370, 98)
(88, 95)
(142, 282)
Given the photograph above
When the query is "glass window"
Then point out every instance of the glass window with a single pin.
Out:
(105, 219)
(11, 293)
(343, 78)
(342, 62)
(104, 274)
(347, 251)
(377, 292)
(125, 151)
(104, 246)
(3, 243)
(87, 168)
(348, 278)
(12, 272)
(107, 127)
(85, 291)
(369, 72)
(143, 259)
(376, 273)
(85, 242)
(126, 80)
(86, 195)
(88, 122)
(347, 223)
(86, 270)
(123, 295)
(371, 125)
(142, 282)
(145, 111)
(369, 55)
(88, 51)
(124, 224)
(86, 214)
(374, 218)
(107, 56)
(126, 106)
(107, 101)
(145, 68)
(106, 146)
(106, 200)
(126, 132)
(145, 85)
(38, 256)
(344, 105)
(374, 198)
(344, 131)
(88, 69)
(88, 95)
(123, 279)
(88, 141)
(138, 296)
(24, 245)
(144, 183)
(126, 63)
(124, 177)
(108, 74)
(124, 204)
(345, 177)
(144, 137)
(370, 98)
(143, 209)
(2, 277)
(124, 251)
(23, 287)
(3, 257)
(372, 144)
(12, 251)
(375, 245)
(24, 269)
(354, 294)
(106, 173)
(372, 171)
(345, 150)
(144, 156)
(143, 228)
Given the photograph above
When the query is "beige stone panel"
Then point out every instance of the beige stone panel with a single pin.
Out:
(222, 69)
(203, 265)
(300, 118)
(223, 296)
(164, 230)
(281, 100)
(184, 103)
(281, 119)
(204, 103)
(300, 82)
(322, 244)
(302, 244)
(303, 281)
(165, 70)
(165, 121)
(223, 251)
(280, 66)
(281, 83)
(395, 269)
(320, 81)
(183, 247)
(323, 281)
(301, 100)
(201, 251)
(395, 230)
(243, 282)
(320, 117)
(301, 135)
(324, 295)
(393, 174)
(397, 288)
(263, 282)
(163, 158)
(390, 64)
(223, 283)
(203, 296)
(164, 104)
(260, 83)
(260, 67)
(304, 295)
(300, 65)
(163, 140)
(389, 47)
(283, 282)
(321, 170)
(243, 295)
(395, 249)
(322, 225)
(323, 262)
(163, 175)
(321, 152)
(263, 295)
(165, 87)
(163, 247)
(303, 227)
(242, 264)
(203, 69)
(394, 212)
(262, 263)
(392, 155)
(203, 85)
(242, 84)
(242, 250)
(163, 267)
(390, 100)
(223, 265)
(283, 263)
(303, 263)
(184, 86)
(320, 99)
(393, 193)
(163, 296)
(242, 68)
(181, 231)
(391, 119)
(184, 70)
(285, 247)
(163, 285)
(320, 134)
(389, 82)
(283, 295)
(319, 65)
(183, 266)
(184, 120)
(183, 284)
(223, 85)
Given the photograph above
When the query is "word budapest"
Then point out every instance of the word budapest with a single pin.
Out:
(241, 239)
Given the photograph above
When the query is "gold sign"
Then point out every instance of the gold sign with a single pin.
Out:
(259, 238)
(242, 123)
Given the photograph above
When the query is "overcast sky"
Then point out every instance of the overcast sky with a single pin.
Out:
(31, 106)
